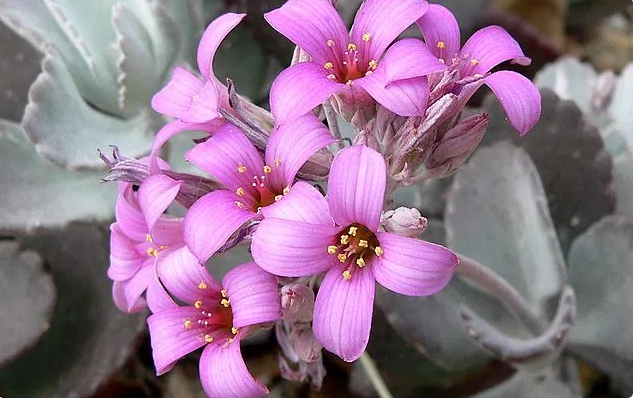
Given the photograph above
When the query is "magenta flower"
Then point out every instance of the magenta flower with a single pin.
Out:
(217, 317)
(486, 49)
(254, 188)
(352, 63)
(139, 239)
(340, 235)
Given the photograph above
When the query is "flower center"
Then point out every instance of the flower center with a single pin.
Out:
(352, 65)
(355, 246)
(214, 322)
(260, 191)
(150, 248)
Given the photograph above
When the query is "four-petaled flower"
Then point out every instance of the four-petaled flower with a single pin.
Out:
(217, 317)
(339, 234)
(487, 48)
(352, 62)
(254, 188)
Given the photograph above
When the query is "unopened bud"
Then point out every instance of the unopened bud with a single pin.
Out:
(404, 221)
(365, 137)
(457, 145)
(298, 302)
(354, 105)
(306, 346)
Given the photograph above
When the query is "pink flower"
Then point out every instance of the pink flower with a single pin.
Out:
(217, 318)
(254, 187)
(343, 62)
(139, 239)
(340, 235)
(486, 49)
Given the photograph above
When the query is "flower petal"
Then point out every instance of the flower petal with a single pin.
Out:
(155, 194)
(303, 203)
(291, 144)
(300, 88)
(118, 296)
(175, 99)
(170, 339)
(407, 97)
(310, 24)
(135, 286)
(383, 21)
(343, 312)
(182, 274)
(224, 374)
(168, 231)
(356, 187)
(125, 260)
(253, 295)
(441, 32)
(409, 58)
(157, 298)
(229, 157)
(205, 104)
(489, 47)
(129, 216)
(412, 266)
(215, 33)
(211, 220)
(292, 248)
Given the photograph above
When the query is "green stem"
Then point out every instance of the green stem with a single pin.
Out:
(373, 374)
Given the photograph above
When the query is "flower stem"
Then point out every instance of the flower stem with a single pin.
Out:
(503, 291)
(333, 124)
(373, 374)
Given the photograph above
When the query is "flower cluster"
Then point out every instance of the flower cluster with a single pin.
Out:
(267, 178)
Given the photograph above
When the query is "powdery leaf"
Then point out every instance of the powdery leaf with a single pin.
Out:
(529, 385)
(27, 299)
(89, 337)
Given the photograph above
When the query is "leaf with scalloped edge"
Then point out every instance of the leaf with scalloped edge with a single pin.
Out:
(600, 270)
(38, 194)
(546, 383)
(27, 299)
(68, 131)
(89, 338)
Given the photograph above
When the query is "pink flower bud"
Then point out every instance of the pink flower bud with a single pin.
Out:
(297, 303)
(305, 344)
(404, 221)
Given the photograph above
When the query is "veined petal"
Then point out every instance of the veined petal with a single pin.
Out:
(291, 144)
(170, 339)
(311, 24)
(379, 22)
(300, 88)
(292, 248)
(129, 216)
(356, 187)
(168, 231)
(156, 296)
(229, 157)
(204, 106)
(135, 286)
(412, 266)
(487, 48)
(118, 296)
(185, 277)
(155, 194)
(175, 99)
(224, 374)
(171, 129)
(409, 58)
(441, 32)
(343, 312)
(407, 97)
(518, 96)
(211, 220)
(303, 203)
(215, 33)
(253, 295)
(125, 260)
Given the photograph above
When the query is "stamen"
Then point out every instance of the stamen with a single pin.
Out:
(353, 231)
(223, 292)
(278, 197)
(368, 73)
(267, 169)
(242, 169)
(195, 98)
(330, 43)
(344, 239)
(363, 243)
(366, 37)
(474, 62)
(198, 304)
(378, 250)
(442, 61)
(331, 77)
(360, 262)
(286, 190)
(225, 302)
(342, 257)
(202, 286)
(234, 330)
(328, 65)
(332, 249)
(277, 162)
(208, 338)
(148, 238)
(441, 45)
(240, 204)
(152, 252)
(373, 64)
(347, 275)
(349, 83)
(187, 324)
(352, 47)
(240, 191)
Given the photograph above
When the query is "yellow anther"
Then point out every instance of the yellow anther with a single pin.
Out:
(330, 43)
(187, 324)
(225, 302)
(378, 251)
(344, 239)
(347, 275)
(366, 37)
(223, 292)
(328, 65)
(474, 61)
(242, 168)
(148, 238)
(349, 83)
(373, 64)
(152, 251)
(202, 286)
(240, 191)
(342, 257)
(353, 231)
(286, 190)
(363, 243)
(441, 45)
(331, 77)
(239, 204)
(208, 338)
(332, 249)
(198, 304)
(278, 197)
(277, 162)
(352, 46)
(361, 262)
(234, 330)
(266, 169)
